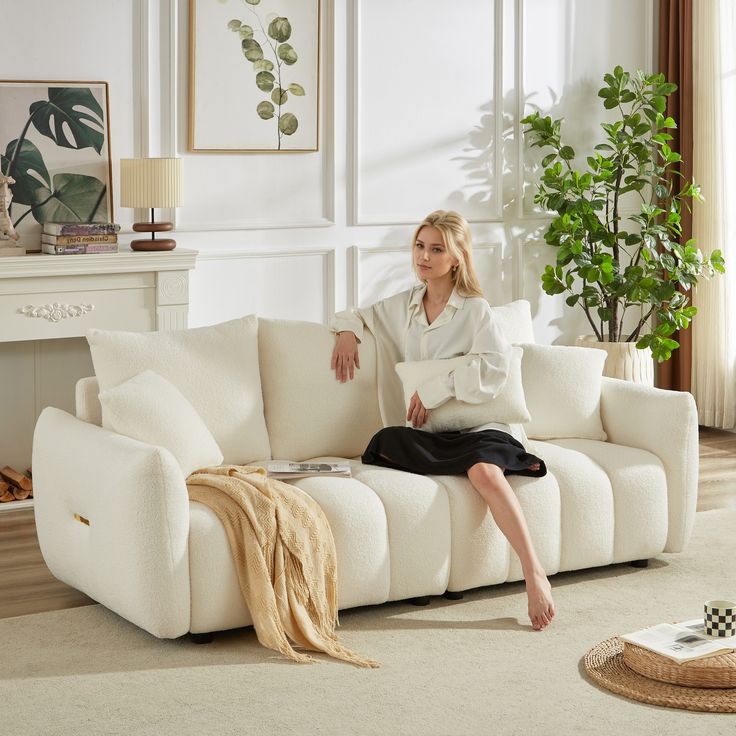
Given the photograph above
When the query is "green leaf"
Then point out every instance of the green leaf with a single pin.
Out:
(265, 81)
(76, 198)
(234, 25)
(296, 89)
(669, 122)
(666, 89)
(71, 117)
(572, 300)
(252, 49)
(660, 103)
(245, 31)
(253, 2)
(29, 171)
(263, 65)
(279, 29)
(288, 124)
(610, 103)
(287, 54)
(279, 96)
(567, 153)
(265, 110)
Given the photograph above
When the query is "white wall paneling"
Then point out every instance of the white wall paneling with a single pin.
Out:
(426, 110)
(288, 284)
(564, 47)
(381, 272)
(242, 191)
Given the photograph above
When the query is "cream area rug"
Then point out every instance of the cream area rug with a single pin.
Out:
(454, 667)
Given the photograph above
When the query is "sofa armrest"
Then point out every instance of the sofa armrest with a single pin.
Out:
(129, 550)
(666, 424)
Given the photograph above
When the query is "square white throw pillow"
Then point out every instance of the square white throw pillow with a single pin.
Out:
(515, 321)
(508, 407)
(150, 409)
(215, 367)
(562, 385)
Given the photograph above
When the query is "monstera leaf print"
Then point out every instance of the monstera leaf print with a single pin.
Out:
(75, 107)
(75, 198)
(72, 118)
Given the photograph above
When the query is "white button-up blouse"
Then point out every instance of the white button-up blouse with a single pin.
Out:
(402, 332)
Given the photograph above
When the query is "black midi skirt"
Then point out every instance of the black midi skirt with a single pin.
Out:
(449, 453)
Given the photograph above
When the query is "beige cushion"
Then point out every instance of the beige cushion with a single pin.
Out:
(150, 409)
(309, 413)
(508, 407)
(562, 385)
(215, 367)
(515, 321)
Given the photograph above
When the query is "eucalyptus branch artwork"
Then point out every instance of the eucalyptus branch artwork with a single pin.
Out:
(254, 75)
(270, 75)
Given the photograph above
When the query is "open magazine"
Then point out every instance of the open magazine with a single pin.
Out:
(285, 469)
(680, 642)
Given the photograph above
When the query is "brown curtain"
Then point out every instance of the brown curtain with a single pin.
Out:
(676, 63)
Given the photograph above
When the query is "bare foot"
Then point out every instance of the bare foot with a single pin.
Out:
(541, 605)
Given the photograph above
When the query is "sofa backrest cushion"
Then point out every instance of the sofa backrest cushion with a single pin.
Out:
(515, 321)
(149, 408)
(309, 413)
(215, 367)
(562, 386)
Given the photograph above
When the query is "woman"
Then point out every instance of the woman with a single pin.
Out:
(443, 317)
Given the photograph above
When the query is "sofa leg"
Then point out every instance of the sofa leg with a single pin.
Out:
(454, 595)
(640, 563)
(422, 600)
(206, 638)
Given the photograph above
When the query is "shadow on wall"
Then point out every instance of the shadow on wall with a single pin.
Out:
(524, 222)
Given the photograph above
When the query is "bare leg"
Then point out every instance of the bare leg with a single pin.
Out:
(495, 490)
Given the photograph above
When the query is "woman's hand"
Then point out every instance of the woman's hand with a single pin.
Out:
(345, 358)
(417, 414)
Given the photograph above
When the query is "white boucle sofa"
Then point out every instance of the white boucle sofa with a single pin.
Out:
(163, 562)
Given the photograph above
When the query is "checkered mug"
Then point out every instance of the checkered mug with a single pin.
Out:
(720, 618)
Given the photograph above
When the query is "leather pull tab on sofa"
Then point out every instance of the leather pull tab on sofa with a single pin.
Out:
(621, 486)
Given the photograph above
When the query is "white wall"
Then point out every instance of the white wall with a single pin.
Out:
(420, 109)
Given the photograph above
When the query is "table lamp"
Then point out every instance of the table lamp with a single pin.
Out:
(149, 183)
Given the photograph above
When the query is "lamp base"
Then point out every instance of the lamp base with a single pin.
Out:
(157, 244)
(153, 243)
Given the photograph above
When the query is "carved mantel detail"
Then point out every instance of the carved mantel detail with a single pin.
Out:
(56, 312)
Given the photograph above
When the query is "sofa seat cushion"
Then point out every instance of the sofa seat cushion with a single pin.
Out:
(639, 488)
(418, 515)
(308, 412)
(480, 553)
(359, 526)
(215, 367)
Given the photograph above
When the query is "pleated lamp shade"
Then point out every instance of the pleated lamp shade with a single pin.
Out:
(150, 182)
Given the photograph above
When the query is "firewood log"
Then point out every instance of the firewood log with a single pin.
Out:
(16, 479)
(20, 494)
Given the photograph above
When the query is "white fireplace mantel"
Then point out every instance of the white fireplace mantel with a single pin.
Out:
(44, 297)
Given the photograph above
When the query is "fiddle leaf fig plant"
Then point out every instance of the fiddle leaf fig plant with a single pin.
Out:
(608, 261)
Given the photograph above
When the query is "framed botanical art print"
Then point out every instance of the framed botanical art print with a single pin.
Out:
(254, 75)
(55, 146)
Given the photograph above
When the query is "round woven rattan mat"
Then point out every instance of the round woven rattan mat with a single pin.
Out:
(605, 665)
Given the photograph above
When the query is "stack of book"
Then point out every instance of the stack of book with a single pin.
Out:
(73, 238)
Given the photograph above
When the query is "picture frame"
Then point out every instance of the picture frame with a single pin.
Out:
(254, 73)
(55, 144)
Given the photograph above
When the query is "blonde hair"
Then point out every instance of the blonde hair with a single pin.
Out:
(458, 241)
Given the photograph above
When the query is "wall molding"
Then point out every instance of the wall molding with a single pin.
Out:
(328, 267)
(174, 112)
(353, 127)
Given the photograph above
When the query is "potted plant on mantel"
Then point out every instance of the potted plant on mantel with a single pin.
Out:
(611, 262)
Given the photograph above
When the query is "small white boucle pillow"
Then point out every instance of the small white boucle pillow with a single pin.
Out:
(150, 409)
(562, 385)
(508, 407)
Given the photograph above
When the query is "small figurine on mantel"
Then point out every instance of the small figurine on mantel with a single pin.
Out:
(7, 231)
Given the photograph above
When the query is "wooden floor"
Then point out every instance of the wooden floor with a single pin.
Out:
(27, 586)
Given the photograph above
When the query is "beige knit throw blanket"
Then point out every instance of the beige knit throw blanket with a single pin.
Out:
(284, 554)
